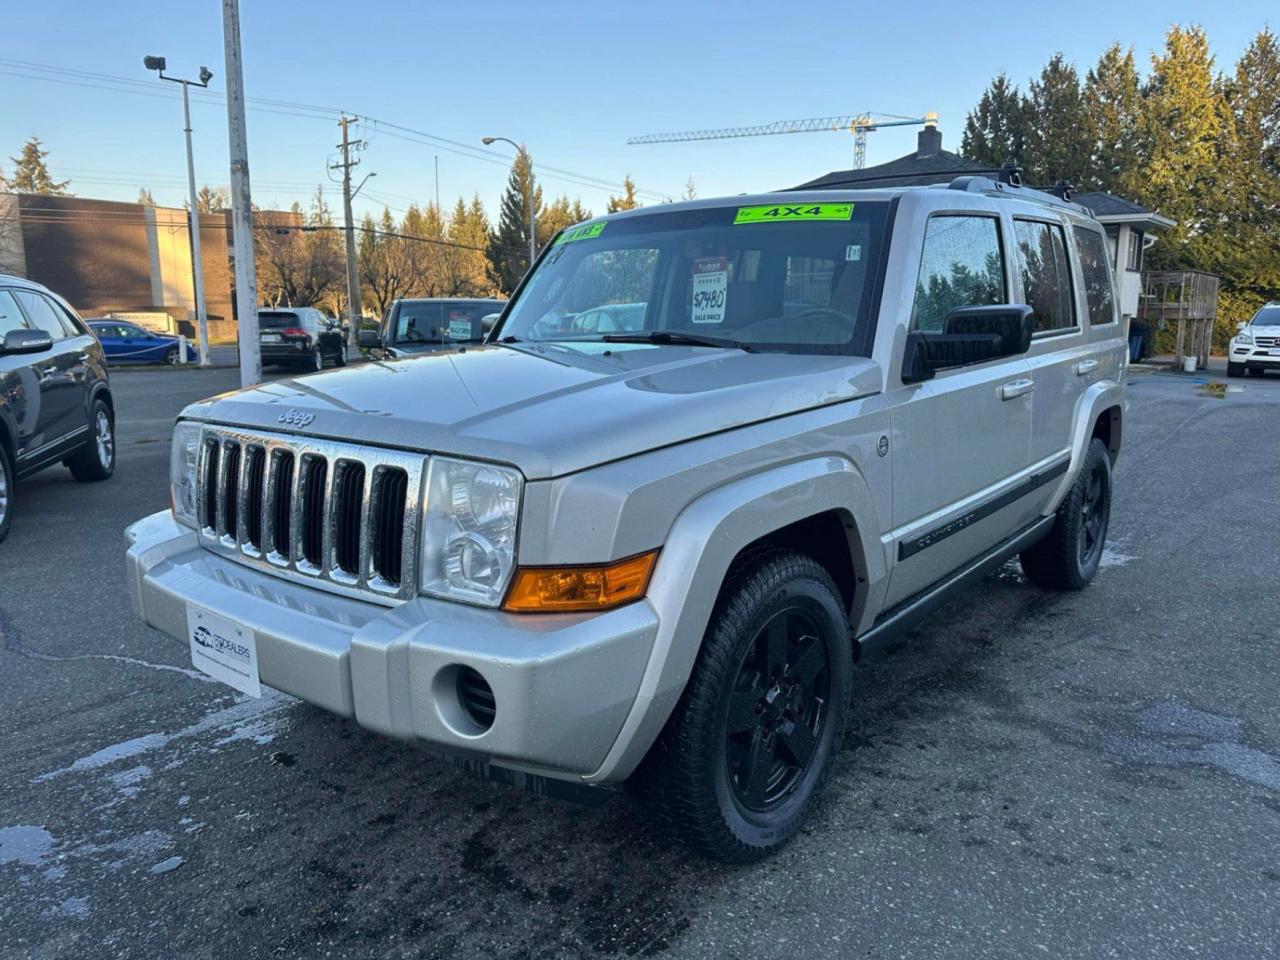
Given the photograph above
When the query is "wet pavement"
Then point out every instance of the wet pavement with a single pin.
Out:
(1027, 773)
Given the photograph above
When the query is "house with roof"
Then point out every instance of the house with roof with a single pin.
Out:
(1131, 228)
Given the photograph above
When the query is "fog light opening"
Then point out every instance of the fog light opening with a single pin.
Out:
(476, 698)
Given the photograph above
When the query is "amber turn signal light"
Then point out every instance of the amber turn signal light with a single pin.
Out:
(575, 589)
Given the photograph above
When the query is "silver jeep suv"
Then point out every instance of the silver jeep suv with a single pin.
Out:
(579, 557)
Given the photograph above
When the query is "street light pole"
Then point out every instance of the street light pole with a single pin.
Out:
(528, 162)
(193, 216)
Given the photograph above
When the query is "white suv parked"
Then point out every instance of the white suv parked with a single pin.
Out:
(1257, 346)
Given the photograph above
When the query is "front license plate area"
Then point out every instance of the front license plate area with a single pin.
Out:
(223, 649)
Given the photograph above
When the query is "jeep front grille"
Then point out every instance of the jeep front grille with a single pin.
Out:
(337, 515)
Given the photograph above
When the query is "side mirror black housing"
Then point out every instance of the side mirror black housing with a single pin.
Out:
(25, 341)
(969, 335)
(369, 338)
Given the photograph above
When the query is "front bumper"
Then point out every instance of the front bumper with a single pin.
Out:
(1254, 356)
(563, 684)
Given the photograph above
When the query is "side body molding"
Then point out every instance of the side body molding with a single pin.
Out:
(703, 542)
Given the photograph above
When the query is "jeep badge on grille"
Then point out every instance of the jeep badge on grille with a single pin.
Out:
(295, 418)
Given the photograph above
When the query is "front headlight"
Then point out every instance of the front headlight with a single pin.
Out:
(183, 455)
(469, 530)
(1244, 339)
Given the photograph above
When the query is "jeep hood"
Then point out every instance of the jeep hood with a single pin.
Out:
(547, 408)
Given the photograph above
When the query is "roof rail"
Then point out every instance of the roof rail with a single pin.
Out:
(1010, 180)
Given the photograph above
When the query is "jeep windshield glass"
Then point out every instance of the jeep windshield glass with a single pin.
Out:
(798, 277)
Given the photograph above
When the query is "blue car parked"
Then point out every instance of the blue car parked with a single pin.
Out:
(125, 342)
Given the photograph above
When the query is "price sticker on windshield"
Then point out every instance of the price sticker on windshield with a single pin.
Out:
(710, 289)
(787, 212)
(585, 231)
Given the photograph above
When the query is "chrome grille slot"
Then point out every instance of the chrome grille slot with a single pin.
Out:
(229, 490)
(252, 491)
(313, 490)
(340, 516)
(387, 510)
(209, 482)
(280, 499)
(348, 509)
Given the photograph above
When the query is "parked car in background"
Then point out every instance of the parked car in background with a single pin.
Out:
(1256, 347)
(125, 342)
(55, 398)
(417, 326)
(300, 337)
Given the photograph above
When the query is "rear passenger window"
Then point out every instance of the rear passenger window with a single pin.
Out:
(1097, 278)
(10, 316)
(1046, 277)
(961, 266)
(42, 315)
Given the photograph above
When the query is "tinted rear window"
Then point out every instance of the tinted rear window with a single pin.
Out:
(278, 320)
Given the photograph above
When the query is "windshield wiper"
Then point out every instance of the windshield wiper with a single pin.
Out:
(675, 337)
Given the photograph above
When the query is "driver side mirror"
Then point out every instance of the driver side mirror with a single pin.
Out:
(369, 338)
(25, 341)
(969, 335)
(1241, 325)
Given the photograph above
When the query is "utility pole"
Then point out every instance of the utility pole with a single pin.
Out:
(197, 261)
(354, 311)
(241, 205)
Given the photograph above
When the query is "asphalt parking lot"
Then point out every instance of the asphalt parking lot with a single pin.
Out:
(1090, 775)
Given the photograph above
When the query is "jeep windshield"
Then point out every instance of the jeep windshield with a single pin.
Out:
(794, 277)
(1268, 316)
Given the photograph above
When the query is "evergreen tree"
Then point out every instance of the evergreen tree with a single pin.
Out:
(628, 199)
(995, 131)
(555, 217)
(1187, 134)
(469, 273)
(1112, 103)
(145, 198)
(509, 244)
(1056, 131)
(31, 173)
(690, 191)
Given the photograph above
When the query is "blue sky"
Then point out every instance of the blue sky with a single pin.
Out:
(573, 80)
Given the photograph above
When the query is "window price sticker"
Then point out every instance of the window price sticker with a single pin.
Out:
(710, 289)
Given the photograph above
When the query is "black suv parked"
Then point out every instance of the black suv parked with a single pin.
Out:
(300, 337)
(55, 401)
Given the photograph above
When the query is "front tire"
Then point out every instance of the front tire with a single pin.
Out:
(1235, 369)
(1068, 557)
(171, 356)
(7, 483)
(747, 750)
(317, 360)
(96, 460)
(340, 357)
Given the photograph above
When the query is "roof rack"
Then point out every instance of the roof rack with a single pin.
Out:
(1010, 176)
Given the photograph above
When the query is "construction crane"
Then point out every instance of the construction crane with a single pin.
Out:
(858, 124)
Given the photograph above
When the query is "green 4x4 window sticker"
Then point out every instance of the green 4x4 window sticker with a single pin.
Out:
(785, 212)
(582, 232)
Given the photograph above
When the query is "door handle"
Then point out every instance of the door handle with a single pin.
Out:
(1086, 366)
(1016, 388)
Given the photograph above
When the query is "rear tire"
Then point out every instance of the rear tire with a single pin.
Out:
(96, 460)
(1235, 369)
(340, 358)
(317, 360)
(7, 485)
(1068, 557)
(747, 750)
(171, 356)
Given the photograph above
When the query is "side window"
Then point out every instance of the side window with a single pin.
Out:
(10, 316)
(1097, 277)
(42, 316)
(961, 266)
(75, 326)
(1046, 277)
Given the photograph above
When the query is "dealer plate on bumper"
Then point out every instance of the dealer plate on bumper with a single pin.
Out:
(223, 649)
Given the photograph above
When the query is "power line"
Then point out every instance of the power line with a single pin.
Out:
(110, 82)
